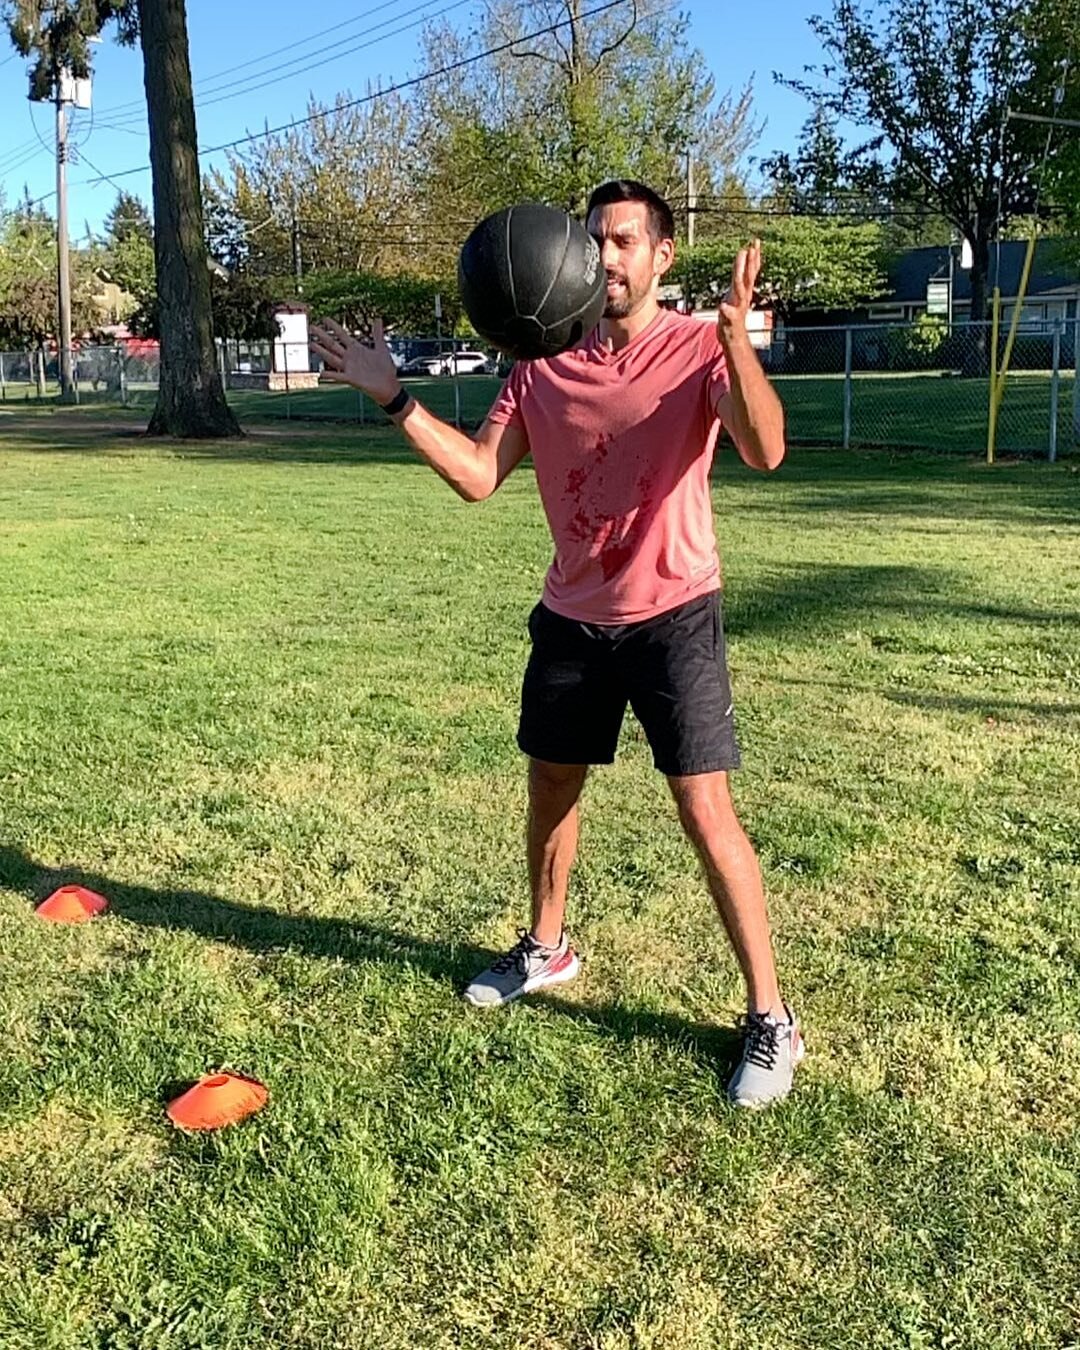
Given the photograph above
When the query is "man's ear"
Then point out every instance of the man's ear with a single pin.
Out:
(663, 256)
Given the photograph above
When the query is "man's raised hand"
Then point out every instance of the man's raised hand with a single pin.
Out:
(366, 366)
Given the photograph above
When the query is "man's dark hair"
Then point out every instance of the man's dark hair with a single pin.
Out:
(658, 213)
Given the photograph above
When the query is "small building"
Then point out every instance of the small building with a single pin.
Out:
(918, 282)
(290, 356)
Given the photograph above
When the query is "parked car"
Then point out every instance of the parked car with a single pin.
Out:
(467, 363)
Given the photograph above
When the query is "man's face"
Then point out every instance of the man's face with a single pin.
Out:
(628, 256)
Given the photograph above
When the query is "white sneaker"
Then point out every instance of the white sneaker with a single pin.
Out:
(771, 1049)
(527, 966)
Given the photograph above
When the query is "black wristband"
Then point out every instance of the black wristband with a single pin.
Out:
(396, 403)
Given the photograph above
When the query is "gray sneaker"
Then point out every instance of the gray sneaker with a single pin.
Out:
(525, 967)
(771, 1049)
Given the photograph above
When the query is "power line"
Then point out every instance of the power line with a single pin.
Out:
(104, 176)
(258, 80)
(16, 152)
(349, 51)
(393, 88)
(23, 160)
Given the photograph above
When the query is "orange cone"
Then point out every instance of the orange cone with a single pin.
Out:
(71, 904)
(216, 1100)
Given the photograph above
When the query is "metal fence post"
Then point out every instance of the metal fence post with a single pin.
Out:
(3, 386)
(1076, 380)
(121, 369)
(1055, 380)
(847, 387)
(288, 396)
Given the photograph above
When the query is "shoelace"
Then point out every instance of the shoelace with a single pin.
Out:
(761, 1038)
(518, 955)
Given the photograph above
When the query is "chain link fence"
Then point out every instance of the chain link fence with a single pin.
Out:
(922, 385)
(925, 385)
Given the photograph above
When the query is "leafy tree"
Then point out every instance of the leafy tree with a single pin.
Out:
(28, 315)
(244, 305)
(604, 95)
(406, 302)
(126, 256)
(191, 399)
(824, 177)
(932, 80)
(336, 192)
(807, 262)
(1053, 90)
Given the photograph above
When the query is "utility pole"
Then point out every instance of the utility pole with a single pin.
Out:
(691, 199)
(298, 263)
(67, 384)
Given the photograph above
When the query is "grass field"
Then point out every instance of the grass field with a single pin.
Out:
(263, 696)
(922, 411)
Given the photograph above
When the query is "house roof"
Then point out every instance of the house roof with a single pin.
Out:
(909, 273)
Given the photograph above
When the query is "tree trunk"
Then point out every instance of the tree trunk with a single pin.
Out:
(980, 273)
(191, 400)
(576, 101)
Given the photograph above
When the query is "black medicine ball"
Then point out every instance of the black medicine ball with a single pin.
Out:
(531, 281)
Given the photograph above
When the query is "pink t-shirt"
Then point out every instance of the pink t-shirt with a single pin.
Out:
(622, 443)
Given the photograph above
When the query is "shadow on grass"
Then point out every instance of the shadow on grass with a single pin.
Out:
(986, 705)
(262, 930)
(92, 432)
(795, 597)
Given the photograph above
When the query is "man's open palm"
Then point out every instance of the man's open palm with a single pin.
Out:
(739, 297)
(366, 366)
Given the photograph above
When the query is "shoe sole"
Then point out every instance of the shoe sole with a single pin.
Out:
(530, 986)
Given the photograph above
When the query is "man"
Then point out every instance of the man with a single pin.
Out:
(622, 430)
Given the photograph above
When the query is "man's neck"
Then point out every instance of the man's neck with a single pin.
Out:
(616, 333)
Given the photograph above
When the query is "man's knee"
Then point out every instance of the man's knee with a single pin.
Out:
(555, 784)
(705, 806)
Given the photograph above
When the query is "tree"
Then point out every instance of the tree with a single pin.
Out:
(126, 256)
(1054, 90)
(825, 178)
(807, 262)
(335, 192)
(619, 93)
(28, 316)
(191, 399)
(933, 80)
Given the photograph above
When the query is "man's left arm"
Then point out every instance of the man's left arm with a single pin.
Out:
(750, 409)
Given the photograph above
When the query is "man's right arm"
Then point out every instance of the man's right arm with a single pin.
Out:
(474, 468)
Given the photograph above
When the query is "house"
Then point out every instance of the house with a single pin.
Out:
(918, 282)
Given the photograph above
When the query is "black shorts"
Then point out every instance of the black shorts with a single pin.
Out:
(671, 669)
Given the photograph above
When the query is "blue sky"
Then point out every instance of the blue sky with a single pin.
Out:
(739, 41)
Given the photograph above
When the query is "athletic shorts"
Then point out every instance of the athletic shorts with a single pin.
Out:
(671, 670)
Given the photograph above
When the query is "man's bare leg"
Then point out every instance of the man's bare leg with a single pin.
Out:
(541, 957)
(734, 876)
(551, 842)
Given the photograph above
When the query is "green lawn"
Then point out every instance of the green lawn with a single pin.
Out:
(929, 411)
(921, 411)
(263, 696)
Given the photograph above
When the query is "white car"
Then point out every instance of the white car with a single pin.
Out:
(467, 363)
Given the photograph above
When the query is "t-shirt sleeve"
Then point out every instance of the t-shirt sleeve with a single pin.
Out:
(716, 363)
(506, 410)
